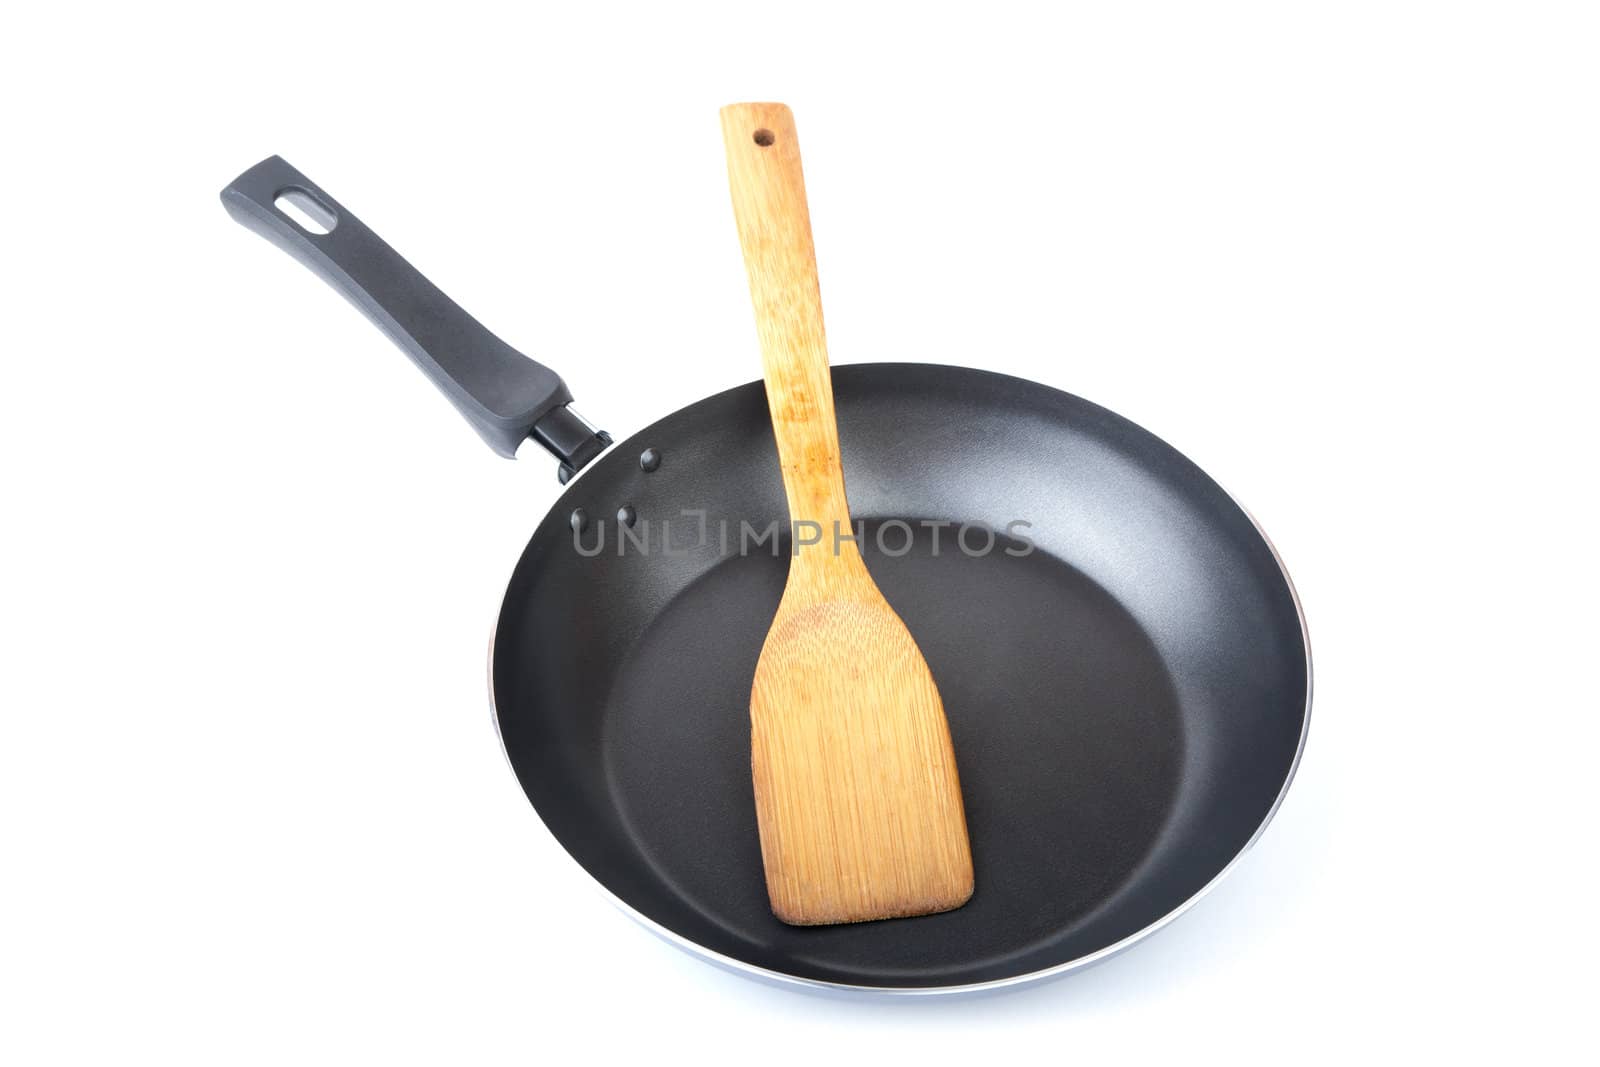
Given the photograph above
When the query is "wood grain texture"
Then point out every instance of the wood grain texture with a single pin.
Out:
(857, 795)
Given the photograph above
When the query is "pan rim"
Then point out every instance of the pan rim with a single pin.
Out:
(785, 980)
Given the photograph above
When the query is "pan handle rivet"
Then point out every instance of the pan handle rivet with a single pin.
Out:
(578, 520)
(649, 460)
(627, 516)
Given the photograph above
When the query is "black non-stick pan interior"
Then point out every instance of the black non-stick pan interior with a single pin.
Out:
(1127, 699)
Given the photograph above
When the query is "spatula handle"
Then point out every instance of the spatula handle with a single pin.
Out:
(769, 205)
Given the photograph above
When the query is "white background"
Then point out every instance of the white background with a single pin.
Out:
(1344, 256)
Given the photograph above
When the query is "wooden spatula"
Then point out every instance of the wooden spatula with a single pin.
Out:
(856, 790)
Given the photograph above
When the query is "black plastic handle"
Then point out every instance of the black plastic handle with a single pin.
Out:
(506, 396)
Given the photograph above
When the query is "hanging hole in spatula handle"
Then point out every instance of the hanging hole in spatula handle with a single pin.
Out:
(506, 396)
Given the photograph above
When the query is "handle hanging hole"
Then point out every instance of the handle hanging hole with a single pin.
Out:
(764, 138)
(306, 211)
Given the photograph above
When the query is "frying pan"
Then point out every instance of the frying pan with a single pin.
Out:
(1122, 657)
